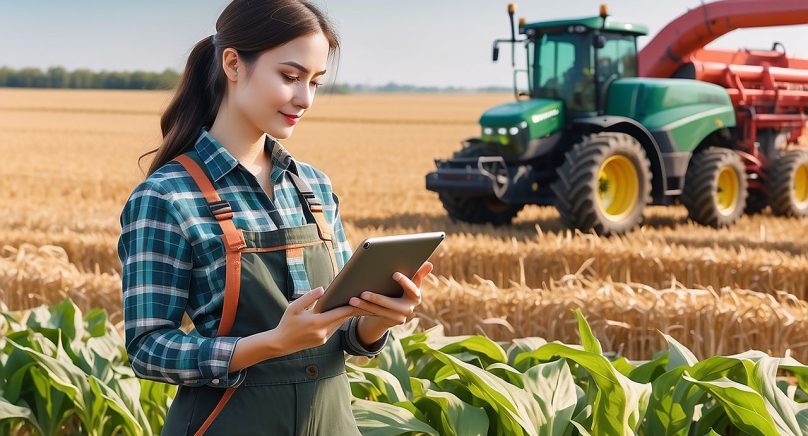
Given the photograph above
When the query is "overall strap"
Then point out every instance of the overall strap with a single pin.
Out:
(232, 237)
(313, 207)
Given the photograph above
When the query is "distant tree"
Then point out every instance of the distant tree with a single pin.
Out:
(83, 78)
(58, 77)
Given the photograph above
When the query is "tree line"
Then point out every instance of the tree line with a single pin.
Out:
(58, 77)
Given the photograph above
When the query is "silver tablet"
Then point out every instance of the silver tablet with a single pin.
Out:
(373, 263)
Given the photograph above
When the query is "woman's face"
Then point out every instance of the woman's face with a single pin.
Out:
(282, 84)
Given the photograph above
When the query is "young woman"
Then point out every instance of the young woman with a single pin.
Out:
(231, 229)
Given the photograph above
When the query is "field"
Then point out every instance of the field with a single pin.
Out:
(70, 161)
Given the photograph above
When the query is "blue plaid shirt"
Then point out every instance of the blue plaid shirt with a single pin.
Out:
(173, 262)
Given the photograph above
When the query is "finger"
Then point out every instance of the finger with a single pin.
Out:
(411, 290)
(337, 314)
(355, 313)
(306, 300)
(384, 312)
(397, 304)
(425, 269)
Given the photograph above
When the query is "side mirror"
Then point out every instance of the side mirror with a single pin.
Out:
(599, 41)
(496, 53)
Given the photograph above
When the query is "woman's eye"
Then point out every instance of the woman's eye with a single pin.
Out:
(296, 79)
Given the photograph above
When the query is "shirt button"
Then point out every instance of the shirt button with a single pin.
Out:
(215, 381)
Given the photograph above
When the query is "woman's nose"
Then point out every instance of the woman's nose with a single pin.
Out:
(303, 97)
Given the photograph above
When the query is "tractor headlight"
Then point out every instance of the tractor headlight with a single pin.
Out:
(515, 136)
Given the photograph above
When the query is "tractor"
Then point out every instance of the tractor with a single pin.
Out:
(600, 131)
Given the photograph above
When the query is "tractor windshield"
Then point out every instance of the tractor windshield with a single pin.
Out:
(564, 69)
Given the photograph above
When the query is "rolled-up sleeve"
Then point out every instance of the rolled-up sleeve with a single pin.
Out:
(350, 340)
(156, 264)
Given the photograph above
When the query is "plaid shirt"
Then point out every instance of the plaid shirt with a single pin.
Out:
(173, 262)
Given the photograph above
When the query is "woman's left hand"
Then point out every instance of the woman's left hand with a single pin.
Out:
(391, 311)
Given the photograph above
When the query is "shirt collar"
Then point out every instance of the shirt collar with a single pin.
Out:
(219, 161)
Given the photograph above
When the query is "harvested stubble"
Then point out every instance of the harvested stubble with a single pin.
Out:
(625, 316)
(635, 257)
(70, 161)
(32, 275)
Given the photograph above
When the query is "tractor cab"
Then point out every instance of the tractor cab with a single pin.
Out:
(576, 60)
(570, 64)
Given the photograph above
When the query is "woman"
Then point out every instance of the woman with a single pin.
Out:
(229, 228)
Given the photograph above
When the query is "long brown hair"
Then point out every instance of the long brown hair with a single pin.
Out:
(250, 27)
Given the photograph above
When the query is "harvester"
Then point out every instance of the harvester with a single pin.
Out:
(600, 131)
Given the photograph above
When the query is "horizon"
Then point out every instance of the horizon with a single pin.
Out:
(158, 41)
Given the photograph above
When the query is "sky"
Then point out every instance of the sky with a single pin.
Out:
(419, 42)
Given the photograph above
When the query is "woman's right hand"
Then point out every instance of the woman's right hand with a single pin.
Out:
(300, 328)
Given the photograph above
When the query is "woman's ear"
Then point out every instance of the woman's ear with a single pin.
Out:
(230, 63)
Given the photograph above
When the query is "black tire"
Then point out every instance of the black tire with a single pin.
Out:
(578, 189)
(756, 202)
(787, 184)
(479, 210)
(701, 195)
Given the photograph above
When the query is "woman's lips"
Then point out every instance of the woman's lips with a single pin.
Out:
(291, 119)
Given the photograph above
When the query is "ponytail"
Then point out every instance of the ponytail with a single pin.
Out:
(193, 106)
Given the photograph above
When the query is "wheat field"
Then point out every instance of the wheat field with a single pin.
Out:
(70, 161)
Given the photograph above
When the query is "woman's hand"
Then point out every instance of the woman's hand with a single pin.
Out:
(387, 312)
(300, 328)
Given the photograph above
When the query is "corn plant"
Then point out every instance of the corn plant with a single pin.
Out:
(64, 372)
(428, 383)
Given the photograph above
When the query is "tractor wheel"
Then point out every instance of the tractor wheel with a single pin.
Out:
(479, 210)
(603, 184)
(788, 184)
(715, 187)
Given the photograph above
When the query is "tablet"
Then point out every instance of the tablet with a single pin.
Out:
(373, 263)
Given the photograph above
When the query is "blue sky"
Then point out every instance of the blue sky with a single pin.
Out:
(422, 42)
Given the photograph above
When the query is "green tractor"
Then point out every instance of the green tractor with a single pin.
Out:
(589, 136)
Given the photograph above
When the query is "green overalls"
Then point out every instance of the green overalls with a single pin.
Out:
(303, 393)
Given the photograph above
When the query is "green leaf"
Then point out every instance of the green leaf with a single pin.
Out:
(672, 404)
(381, 419)
(619, 403)
(782, 409)
(452, 416)
(522, 345)
(9, 411)
(745, 407)
(64, 375)
(679, 355)
(507, 373)
(389, 388)
(650, 370)
(488, 350)
(553, 388)
(588, 340)
(513, 405)
(393, 360)
(104, 398)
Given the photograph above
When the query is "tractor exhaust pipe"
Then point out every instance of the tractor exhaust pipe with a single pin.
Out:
(511, 11)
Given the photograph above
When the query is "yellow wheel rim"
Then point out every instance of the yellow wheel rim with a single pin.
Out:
(728, 187)
(801, 185)
(618, 187)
